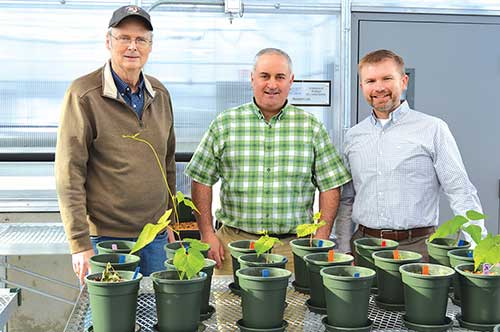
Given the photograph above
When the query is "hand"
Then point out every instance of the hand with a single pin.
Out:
(81, 264)
(216, 251)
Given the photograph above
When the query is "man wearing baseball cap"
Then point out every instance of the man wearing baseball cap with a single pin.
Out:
(110, 187)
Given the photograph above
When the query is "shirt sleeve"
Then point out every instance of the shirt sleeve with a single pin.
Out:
(329, 172)
(73, 141)
(205, 163)
(453, 177)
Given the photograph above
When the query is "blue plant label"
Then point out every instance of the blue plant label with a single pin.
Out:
(121, 259)
(320, 243)
(265, 273)
(356, 274)
(461, 243)
(469, 253)
(136, 272)
(186, 246)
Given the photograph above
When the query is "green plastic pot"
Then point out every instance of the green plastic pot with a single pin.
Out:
(426, 296)
(480, 293)
(439, 247)
(178, 302)
(113, 304)
(205, 310)
(263, 260)
(172, 247)
(390, 286)
(122, 247)
(457, 257)
(238, 248)
(300, 248)
(315, 262)
(346, 295)
(366, 246)
(98, 262)
(263, 298)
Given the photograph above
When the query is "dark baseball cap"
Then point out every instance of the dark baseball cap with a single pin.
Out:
(126, 11)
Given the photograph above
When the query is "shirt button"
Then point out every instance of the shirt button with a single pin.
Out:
(270, 126)
(135, 105)
(269, 170)
(267, 216)
(381, 214)
(268, 192)
(380, 193)
(379, 173)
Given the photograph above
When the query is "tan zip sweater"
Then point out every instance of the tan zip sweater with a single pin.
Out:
(108, 185)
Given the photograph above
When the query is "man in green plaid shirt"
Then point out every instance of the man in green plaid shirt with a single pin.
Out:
(270, 157)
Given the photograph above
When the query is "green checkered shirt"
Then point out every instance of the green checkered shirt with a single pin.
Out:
(268, 170)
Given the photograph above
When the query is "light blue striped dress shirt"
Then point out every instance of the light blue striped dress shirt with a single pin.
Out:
(398, 170)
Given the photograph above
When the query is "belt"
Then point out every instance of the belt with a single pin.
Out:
(397, 235)
(279, 236)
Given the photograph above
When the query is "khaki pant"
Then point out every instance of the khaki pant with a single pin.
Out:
(229, 234)
(416, 244)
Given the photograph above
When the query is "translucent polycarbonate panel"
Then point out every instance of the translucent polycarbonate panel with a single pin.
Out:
(432, 4)
(206, 61)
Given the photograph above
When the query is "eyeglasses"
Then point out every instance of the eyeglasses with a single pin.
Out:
(126, 41)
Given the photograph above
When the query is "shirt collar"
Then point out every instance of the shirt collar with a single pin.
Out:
(123, 87)
(395, 115)
(256, 110)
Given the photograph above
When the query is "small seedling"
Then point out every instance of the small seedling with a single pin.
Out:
(487, 251)
(454, 225)
(265, 243)
(109, 275)
(310, 229)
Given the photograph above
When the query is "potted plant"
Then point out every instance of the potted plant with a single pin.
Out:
(172, 247)
(115, 246)
(458, 257)
(177, 293)
(315, 262)
(390, 286)
(122, 262)
(302, 247)
(262, 256)
(206, 310)
(347, 292)
(113, 299)
(440, 243)
(480, 286)
(263, 293)
(238, 248)
(426, 296)
(365, 247)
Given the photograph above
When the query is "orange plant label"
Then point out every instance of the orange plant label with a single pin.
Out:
(383, 244)
(395, 254)
(425, 270)
(330, 255)
(252, 245)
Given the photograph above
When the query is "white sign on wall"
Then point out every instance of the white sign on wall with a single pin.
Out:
(310, 93)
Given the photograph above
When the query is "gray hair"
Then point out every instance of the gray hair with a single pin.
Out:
(110, 30)
(273, 51)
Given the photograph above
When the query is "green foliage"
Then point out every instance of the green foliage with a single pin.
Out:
(265, 243)
(310, 229)
(487, 251)
(455, 224)
(110, 275)
(188, 263)
(150, 231)
(196, 244)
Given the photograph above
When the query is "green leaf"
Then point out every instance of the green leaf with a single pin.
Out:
(150, 231)
(179, 197)
(487, 251)
(474, 215)
(197, 244)
(265, 243)
(190, 263)
(308, 229)
(474, 232)
(317, 216)
(190, 204)
(450, 227)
